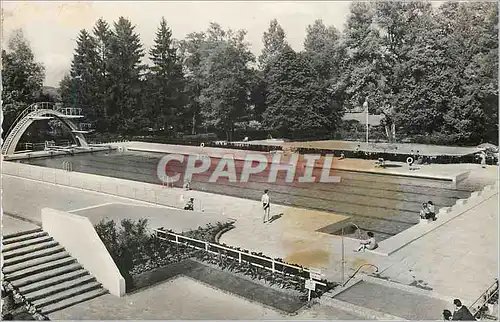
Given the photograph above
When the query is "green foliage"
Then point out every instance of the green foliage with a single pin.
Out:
(165, 82)
(128, 245)
(431, 71)
(297, 99)
(22, 77)
(210, 232)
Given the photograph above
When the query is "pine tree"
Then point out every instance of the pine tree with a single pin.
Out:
(83, 87)
(102, 35)
(124, 72)
(166, 80)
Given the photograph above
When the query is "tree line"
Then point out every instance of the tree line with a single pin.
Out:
(432, 72)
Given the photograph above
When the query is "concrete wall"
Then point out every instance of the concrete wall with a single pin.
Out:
(78, 236)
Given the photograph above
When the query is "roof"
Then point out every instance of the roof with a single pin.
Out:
(361, 118)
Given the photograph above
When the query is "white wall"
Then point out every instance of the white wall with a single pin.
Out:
(78, 236)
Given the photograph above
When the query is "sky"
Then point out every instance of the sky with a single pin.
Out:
(51, 27)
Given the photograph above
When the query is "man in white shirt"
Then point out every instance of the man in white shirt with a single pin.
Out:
(266, 205)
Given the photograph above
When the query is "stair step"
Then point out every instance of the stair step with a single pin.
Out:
(26, 243)
(34, 262)
(22, 233)
(40, 268)
(46, 275)
(24, 237)
(61, 287)
(29, 249)
(73, 301)
(34, 287)
(36, 254)
(67, 294)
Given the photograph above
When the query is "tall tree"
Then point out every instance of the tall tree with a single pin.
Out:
(124, 68)
(192, 55)
(102, 35)
(227, 78)
(274, 40)
(22, 77)
(323, 46)
(166, 80)
(82, 90)
(297, 99)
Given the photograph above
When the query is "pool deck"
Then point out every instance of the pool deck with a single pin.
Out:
(59, 152)
(459, 258)
(398, 148)
(432, 171)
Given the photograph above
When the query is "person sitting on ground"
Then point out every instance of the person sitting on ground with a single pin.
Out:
(447, 315)
(187, 186)
(369, 243)
(432, 211)
(461, 313)
(342, 156)
(189, 205)
(424, 212)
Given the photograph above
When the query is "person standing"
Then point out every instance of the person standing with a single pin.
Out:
(483, 159)
(266, 205)
(461, 313)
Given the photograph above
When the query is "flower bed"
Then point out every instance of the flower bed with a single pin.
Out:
(136, 252)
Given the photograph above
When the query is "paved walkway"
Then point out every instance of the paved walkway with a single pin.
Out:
(205, 303)
(11, 225)
(26, 198)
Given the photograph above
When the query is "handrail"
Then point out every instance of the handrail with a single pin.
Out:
(482, 296)
(233, 250)
(25, 112)
(361, 266)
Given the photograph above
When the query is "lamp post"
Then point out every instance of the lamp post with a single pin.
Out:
(343, 250)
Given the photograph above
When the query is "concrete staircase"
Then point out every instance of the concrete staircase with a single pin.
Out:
(45, 273)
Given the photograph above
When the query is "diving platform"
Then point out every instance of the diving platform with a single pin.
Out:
(71, 116)
(39, 118)
(80, 131)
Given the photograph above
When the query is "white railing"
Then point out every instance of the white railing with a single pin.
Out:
(208, 247)
(484, 299)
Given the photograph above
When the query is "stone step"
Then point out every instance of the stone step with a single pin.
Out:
(34, 287)
(75, 291)
(24, 237)
(29, 249)
(61, 287)
(34, 262)
(34, 255)
(40, 268)
(22, 233)
(26, 243)
(73, 301)
(46, 275)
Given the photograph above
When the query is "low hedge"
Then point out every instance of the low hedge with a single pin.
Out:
(135, 252)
